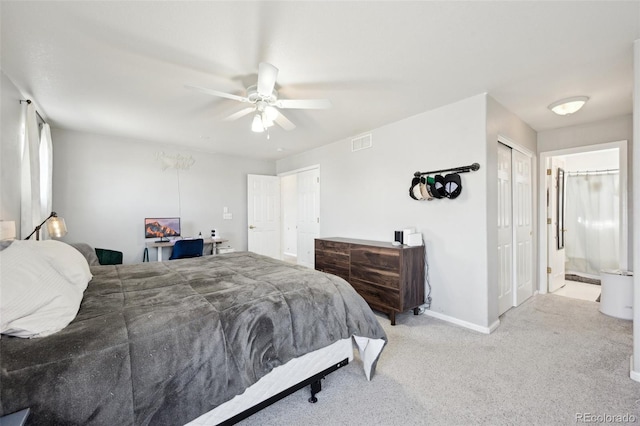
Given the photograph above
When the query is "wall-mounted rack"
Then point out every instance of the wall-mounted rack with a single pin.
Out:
(464, 169)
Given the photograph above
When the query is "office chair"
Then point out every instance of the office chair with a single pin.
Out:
(187, 248)
(109, 257)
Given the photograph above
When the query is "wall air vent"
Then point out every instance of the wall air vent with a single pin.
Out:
(361, 142)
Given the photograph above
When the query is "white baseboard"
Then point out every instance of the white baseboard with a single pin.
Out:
(634, 375)
(465, 324)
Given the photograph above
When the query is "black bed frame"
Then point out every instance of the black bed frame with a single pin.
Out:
(314, 381)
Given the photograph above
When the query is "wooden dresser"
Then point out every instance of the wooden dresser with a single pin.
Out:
(390, 278)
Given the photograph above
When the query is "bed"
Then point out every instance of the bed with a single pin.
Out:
(202, 340)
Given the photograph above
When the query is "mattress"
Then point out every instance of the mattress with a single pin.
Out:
(278, 380)
(165, 342)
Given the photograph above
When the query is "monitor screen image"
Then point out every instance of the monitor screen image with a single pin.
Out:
(160, 227)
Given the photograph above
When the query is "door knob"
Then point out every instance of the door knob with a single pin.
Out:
(251, 226)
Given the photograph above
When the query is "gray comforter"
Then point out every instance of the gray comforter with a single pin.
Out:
(162, 343)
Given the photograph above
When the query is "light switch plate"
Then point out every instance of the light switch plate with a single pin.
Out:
(227, 216)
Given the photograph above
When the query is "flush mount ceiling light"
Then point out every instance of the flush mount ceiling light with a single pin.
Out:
(569, 105)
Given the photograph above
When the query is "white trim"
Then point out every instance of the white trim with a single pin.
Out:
(634, 375)
(513, 145)
(296, 171)
(622, 147)
(465, 324)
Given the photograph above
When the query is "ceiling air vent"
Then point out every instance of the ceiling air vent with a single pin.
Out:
(361, 142)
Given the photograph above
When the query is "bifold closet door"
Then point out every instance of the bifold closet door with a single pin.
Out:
(505, 230)
(523, 225)
(515, 228)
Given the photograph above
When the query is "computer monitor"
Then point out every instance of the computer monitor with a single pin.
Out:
(161, 227)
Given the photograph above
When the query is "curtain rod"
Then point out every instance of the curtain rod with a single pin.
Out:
(586, 172)
(37, 113)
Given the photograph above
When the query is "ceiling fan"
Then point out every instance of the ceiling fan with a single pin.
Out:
(264, 101)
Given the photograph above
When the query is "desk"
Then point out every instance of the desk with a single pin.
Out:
(159, 245)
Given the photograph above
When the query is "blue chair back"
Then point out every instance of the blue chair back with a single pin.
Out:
(187, 248)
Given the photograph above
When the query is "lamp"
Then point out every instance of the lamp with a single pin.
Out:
(569, 105)
(7, 230)
(56, 227)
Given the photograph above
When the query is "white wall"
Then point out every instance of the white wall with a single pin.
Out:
(611, 130)
(591, 161)
(365, 194)
(10, 151)
(105, 186)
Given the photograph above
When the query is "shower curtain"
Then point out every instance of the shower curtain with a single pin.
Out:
(592, 222)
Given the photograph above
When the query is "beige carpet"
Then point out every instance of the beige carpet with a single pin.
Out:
(553, 360)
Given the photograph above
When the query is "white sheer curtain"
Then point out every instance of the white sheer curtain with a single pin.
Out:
(30, 215)
(592, 222)
(46, 175)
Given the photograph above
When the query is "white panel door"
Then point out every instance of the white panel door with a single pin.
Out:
(308, 215)
(555, 255)
(523, 225)
(505, 230)
(263, 214)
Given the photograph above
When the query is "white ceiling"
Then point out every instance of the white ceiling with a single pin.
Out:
(120, 68)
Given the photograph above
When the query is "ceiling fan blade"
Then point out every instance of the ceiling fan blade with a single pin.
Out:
(304, 103)
(267, 75)
(284, 122)
(217, 93)
(240, 113)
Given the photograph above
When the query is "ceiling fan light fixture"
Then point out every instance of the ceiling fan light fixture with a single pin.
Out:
(271, 113)
(256, 124)
(569, 105)
(266, 122)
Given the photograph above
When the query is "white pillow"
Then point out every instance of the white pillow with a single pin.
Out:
(35, 299)
(67, 260)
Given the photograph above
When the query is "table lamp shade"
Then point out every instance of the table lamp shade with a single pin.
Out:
(56, 227)
(7, 230)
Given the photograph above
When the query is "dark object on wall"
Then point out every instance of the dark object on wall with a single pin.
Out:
(463, 169)
(449, 186)
(109, 257)
(390, 278)
(398, 236)
(415, 181)
(437, 188)
(561, 197)
(183, 249)
(452, 185)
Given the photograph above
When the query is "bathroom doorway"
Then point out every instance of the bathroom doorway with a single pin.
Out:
(590, 232)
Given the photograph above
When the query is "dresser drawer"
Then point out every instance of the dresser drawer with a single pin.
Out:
(379, 296)
(332, 257)
(376, 257)
(332, 246)
(378, 276)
